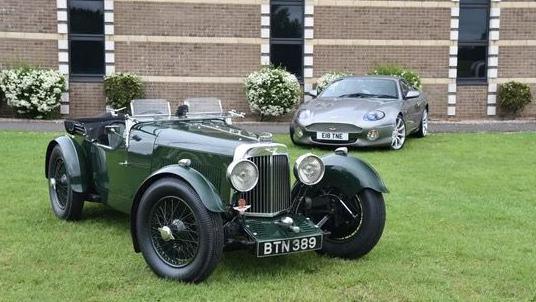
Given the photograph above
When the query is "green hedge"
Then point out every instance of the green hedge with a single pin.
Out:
(411, 76)
(513, 96)
(121, 88)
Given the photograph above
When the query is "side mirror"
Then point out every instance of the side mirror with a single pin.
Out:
(182, 110)
(413, 94)
(312, 93)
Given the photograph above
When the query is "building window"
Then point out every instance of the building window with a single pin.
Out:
(86, 39)
(286, 38)
(473, 40)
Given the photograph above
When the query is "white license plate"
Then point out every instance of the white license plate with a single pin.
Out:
(288, 246)
(332, 136)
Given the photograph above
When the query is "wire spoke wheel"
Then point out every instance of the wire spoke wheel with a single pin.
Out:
(60, 183)
(342, 215)
(174, 231)
(399, 134)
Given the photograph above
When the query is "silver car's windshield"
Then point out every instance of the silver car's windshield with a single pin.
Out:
(362, 87)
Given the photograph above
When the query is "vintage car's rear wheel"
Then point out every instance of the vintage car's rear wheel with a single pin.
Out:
(179, 238)
(354, 224)
(66, 204)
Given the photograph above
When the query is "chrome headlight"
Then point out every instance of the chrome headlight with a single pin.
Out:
(243, 175)
(374, 115)
(309, 169)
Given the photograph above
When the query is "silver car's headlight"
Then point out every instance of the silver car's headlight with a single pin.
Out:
(309, 169)
(374, 115)
(243, 175)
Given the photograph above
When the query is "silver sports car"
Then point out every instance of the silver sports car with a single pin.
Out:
(362, 111)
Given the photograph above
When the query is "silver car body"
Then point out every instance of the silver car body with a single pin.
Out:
(347, 116)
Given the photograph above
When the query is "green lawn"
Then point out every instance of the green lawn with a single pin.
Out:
(460, 226)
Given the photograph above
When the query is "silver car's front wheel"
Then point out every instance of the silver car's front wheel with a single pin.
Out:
(399, 134)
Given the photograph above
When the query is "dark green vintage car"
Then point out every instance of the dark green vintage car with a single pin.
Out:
(193, 184)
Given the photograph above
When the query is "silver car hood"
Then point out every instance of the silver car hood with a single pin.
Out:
(345, 110)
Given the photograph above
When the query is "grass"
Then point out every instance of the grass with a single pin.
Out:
(460, 226)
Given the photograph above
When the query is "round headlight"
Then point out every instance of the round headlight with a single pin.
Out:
(309, 168)
(243, 175)
(374, 115)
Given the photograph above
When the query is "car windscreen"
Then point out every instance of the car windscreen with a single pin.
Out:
(362, 87)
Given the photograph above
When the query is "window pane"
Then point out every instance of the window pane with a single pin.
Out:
(463, 2)
(287, 21)
(288, 56)
(473, 24)
(472, 62)
(87, 57)
(86, 17)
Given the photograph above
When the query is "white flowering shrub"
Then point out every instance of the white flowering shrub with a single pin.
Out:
(272, 91)
(32, 92)
(328, 78)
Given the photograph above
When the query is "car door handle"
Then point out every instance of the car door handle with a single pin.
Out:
(136, 138)
(123, 163)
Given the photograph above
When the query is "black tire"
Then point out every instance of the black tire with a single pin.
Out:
(291, 132)
(423, 127)
(66, 204)
(184, 260)
(357, 238)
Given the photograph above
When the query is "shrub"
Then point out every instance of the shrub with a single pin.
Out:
(409, 75)
(32, 92)
(328, 78)
(121, 88)
(272, 91)
(514, 96)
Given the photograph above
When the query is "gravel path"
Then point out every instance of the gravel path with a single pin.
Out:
(435, 126)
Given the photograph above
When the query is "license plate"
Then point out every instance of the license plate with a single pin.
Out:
(288, 246)
(332, 136)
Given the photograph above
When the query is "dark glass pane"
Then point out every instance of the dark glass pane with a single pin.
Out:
(86, 17)
(464, 2)
(288, 56)
(473, 24)
(287, 21)
(472, 62)
(87, 57)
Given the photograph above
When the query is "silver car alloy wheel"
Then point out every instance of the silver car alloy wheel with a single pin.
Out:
(399, 134)
(424, 122)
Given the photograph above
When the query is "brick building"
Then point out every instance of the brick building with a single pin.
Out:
(185, 48)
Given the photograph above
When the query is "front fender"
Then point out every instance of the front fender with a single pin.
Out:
(349, 174)
(74, 161)
(202, 186)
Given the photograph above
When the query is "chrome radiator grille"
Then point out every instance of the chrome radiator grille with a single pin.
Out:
(272, 193)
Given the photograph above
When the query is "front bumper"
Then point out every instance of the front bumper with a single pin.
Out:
(355, 139)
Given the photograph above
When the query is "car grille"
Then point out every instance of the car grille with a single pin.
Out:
(333, 127)
(271, 195)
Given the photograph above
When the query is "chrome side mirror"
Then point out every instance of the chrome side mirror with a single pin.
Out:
(413, 94)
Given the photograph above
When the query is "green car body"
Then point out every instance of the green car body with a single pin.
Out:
(119, 166)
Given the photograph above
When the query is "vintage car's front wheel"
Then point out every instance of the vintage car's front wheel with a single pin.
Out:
(66, 204)
(354, 224)
(178, 237)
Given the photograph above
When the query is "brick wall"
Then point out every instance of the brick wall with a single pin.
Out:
(436, 95)
(333, 22)
(182, 59)
(35, 52)
(471, 102)
(86, 99)
(187, 19)
(36, 16)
